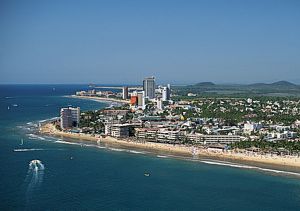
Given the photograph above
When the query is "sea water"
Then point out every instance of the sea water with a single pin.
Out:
(46, 173)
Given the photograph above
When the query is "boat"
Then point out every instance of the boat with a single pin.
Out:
(8, 107)
(22, 142)
(15, 105)
(146, 174)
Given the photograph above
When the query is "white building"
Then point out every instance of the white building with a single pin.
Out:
(159, 104)
(220, 139)
(166, 93)
(69, 117)
(252, 127)
(191, 95)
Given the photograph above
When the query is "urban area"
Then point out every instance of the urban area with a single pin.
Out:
(151, 113)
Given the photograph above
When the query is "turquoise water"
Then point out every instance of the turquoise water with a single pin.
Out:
(79, 177)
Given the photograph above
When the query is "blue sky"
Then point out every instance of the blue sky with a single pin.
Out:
(123, 41)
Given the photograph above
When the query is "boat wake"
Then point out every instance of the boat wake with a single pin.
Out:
(34, 178)
(27, 150)
(38, 149)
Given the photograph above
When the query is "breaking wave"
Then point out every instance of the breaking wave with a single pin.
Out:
(162, 156)
(235, 165)
(34, 136)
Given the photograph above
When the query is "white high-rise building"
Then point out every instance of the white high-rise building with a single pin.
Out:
(69, 117)
(149, 87)
(166, 93)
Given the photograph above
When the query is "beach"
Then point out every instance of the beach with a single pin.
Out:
(283, 161)
(100, 99)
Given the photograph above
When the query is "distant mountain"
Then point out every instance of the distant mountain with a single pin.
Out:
(283, 83)
(278, 84)
(279, 88)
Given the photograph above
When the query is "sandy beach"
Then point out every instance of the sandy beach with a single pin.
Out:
(288, 161)
(100, 99)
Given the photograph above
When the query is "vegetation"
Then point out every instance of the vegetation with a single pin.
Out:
(291, 147)
(209, 89)
(234, 110)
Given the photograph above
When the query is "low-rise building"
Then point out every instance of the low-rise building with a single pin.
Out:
(221, 139)
(117, 130)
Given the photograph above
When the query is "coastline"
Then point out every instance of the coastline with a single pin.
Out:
(100, 99)
(282, 162)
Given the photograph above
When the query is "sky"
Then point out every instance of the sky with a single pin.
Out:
(177, 41)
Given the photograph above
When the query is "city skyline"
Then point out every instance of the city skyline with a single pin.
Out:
(178, 42)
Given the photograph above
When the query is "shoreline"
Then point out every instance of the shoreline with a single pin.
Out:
(292, 163)
(99, 99)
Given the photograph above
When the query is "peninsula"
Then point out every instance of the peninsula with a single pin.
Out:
(258, 129)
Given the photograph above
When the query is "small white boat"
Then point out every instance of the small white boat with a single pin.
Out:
(8, 107)
(15, 105)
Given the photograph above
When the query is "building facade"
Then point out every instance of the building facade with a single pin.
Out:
(149, 87)
(166, 93)
(125, 92)
(117, 130)
(69, 117)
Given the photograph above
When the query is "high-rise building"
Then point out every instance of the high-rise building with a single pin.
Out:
(69, 117)
(166, 93)
(149, 87)
(125, 93)
(169, 91)
(141, 100)
(140, 96)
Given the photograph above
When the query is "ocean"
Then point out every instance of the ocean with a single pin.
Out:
(82, 176)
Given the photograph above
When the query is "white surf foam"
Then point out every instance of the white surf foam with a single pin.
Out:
(116, 149)
(50, 119)
(235, 165)
(67, 142)
(31, 124)
(136, 152)
(162, 156)
(34, 136)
